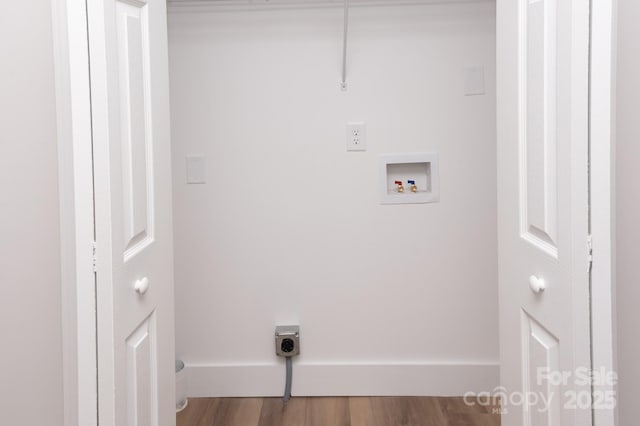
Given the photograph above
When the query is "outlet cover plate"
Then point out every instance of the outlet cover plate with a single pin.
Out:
(356, 136)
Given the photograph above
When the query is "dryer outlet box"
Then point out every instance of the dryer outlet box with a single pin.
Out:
(287, 340)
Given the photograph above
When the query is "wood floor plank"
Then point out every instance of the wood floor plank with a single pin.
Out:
(469, 412)
(429, 409)
(388, 411)
(275, 412)
(339, 411)
(457, 413)
(361, 412)
(327, 411)
(238, 411)
(407, 411)
(199, 412)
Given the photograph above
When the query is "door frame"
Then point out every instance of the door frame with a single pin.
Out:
(602, 194)
(75, 160)
(75, 186)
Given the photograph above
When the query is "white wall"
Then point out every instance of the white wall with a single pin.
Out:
(30, 317)
(288, 228)
(628, 208)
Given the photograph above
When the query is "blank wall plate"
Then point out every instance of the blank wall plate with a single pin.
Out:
(474, 81)
(196, 170)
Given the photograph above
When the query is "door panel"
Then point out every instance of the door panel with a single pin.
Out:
(543, 210)
(540, 353)
(141, 368)
(538, 113)
(132, 157)
(137, 160)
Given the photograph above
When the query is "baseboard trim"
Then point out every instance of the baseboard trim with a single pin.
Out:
(411, 379)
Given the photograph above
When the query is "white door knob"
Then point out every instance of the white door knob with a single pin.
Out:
(141, 286)
(536, 284)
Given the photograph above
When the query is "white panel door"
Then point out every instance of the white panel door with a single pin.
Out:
(129, 88)
(543, 211)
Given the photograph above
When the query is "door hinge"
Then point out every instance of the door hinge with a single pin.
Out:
(94, 257)
(590, 251)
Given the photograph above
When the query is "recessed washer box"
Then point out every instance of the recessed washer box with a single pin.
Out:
(422, 168)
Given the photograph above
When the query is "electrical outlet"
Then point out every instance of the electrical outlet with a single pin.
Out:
(287, 340)
(356, 137)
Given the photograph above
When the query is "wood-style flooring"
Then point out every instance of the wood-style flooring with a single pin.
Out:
(337, 411)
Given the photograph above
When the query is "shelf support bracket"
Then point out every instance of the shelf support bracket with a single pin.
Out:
(343, 84)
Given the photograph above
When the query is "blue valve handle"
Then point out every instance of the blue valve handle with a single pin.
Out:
(411, 182)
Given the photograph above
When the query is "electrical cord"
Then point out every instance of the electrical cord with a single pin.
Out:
(287, 387)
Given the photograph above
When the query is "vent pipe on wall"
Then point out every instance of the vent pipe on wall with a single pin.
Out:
(343, 85)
